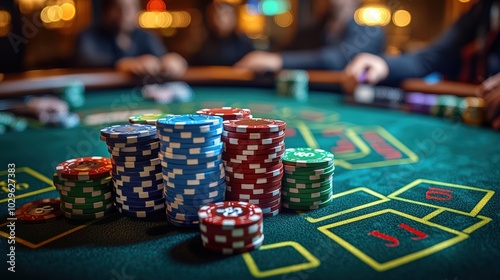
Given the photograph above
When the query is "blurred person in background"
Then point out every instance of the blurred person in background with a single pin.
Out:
(468, 52)
(342, 38)
(223, 45)
(118, 42)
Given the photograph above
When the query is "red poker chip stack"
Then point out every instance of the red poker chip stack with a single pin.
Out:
(231, 227)
(253, 150)
(227, 113)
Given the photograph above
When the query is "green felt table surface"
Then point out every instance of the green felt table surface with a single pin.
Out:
(414, 198)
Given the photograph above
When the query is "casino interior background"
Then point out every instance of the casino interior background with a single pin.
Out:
(40, 34)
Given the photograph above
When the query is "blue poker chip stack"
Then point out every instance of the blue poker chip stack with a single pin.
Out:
(136, 169)
(193, 172)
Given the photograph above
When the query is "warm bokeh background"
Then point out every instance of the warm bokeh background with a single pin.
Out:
(39, 34)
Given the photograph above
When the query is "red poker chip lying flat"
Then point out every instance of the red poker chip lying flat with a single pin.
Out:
(232, 250)
(85, 168)
(225, 239)
(257, 201)
(256, 181)
(256, 147)
(254, 125)
(230, 214)
(253, 171)
(250, 165)
(272, 211)
(231, 227)
(251, 185)
(257, 158)
(208, 230)
(266, 191)
(40, 211)
(267, 141)
(253, 135)
(263, 151)
(234, 195)
(244, 176)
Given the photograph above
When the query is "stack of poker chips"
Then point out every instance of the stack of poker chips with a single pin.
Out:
(293, 83)
(8, 121)
(136, 170)
(147, 118)
(231, 227)
(252, 155)
(84, 185)
(420, 102)
(168, 92)
(227, 113)
(471, 110)
(380, 96)
(308, 178)
(193, 172)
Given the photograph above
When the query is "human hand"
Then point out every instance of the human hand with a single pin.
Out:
(173, 65)
(488, 86)
(492, 100)
(141, 66)
(368, 68)
(260, 61)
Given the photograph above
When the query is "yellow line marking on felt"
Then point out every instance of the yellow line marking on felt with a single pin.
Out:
(398, 261)
(364, 150)
(38, 245)
(433, 214)
(34, 174)
(51, 188)
(480, 224)
(256, 272)
(307, 135)
(473, 212)
(382, 199)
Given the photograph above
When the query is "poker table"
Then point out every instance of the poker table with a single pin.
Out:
(414, 195)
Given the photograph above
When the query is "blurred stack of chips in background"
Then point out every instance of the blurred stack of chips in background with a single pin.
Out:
(293, 83)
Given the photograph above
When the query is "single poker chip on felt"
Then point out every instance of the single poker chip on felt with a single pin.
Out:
(125, 131)
(226, 113)
(254, 125)
(39, 211)
(307, 157)
(147, 118)
(86, 168)
(230, 214)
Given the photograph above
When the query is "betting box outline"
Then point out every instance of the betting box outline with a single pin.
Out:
(342, 161)
(51, 187)
(483, 220)
(358, 142)
(473, 212)
(312, 261)
(381, 199)
(34, 174)
(460, 236)
(412, 157)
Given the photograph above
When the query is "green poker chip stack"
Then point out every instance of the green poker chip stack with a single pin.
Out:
(85, 199)
(308, 178)
(447, 106)
(293, 83)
